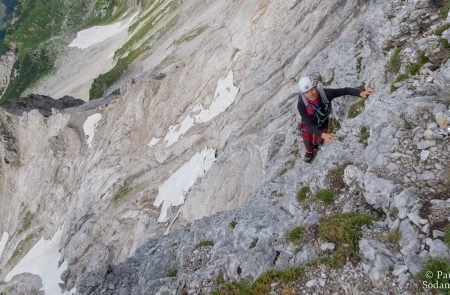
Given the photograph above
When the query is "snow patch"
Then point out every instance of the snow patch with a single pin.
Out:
(92, 36)
(176, 131)
(175, 189)
(72, 291)
(224, 96)
(43, 260)
(153, 142)
(89, 127)
(3, 241)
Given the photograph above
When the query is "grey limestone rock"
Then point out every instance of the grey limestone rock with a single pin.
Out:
(409, 242)
(415, 263)
(306, 255)
(426, 144)
(399, 269)
(424, 155)
(327, 246)
(438, 249)
(404, 202)
(377, 190)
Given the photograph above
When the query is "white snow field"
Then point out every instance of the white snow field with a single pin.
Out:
(94, 35)
(174, 190)
(224, 97)
(89, 127)
(3, 241)
(43, 260)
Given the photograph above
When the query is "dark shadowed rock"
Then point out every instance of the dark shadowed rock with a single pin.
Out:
(42, 103)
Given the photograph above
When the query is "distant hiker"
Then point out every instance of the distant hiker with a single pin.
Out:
(314, 106)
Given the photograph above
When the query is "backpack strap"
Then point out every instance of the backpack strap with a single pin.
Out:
(304, 100)
(323, 96)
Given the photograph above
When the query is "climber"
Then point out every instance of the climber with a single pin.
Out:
(314, 106)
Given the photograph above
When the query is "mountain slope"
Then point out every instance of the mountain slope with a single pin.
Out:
(40, 30)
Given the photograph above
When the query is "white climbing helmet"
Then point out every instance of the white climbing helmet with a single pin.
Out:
(305, 84)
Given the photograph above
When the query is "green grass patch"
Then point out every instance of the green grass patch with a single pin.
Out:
(25, 243)
(445, 9)
(36, 23)
(192, 34)
(172, 273)
(364, 134)
(30, 34)
(233, 224)
(104, 81)
(336, 260)
(358, 65)
(333, 125)
(303, 193)
(34, 64)
(234, 288)
(112, 10)
(147, 15)
(26, 222)
(205, 243)
(170, 59)
(325, 195)
(435, 275)
(122, 193)
(441, 29)
(395, 62)
(392, 237)
(116, 92)
(412, 70)
(262, 284)
(445, 43)
(220, 279)
(422, 59)
(295, 234)
(36, 35)
(401, 77)
(167, 27)
(143, 31)
(344, 229)
(254, 242)
(145, 4)
(356, 108)
(339, 258)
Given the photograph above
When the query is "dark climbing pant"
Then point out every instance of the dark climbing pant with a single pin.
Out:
(310, 140)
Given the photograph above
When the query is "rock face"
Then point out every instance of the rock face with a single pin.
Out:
(233, 89)
(229, 252)
(6, 65)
